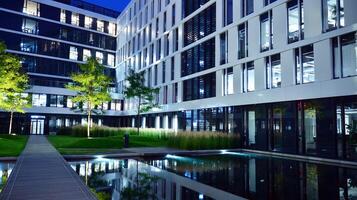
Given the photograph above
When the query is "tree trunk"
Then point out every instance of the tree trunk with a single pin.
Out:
(138, 117)
(10, 125)
(89, 121)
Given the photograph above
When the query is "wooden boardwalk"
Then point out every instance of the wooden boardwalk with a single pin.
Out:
(42, 173)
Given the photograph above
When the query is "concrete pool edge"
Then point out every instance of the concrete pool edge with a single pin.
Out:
(131, 154)
(311, 159)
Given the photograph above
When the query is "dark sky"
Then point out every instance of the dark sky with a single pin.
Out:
(118, 5)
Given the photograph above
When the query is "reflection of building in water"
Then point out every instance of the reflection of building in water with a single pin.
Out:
(112, 176)
(5, 171)
(222, 177)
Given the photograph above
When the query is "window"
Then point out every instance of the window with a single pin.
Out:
(158, 49)
(345, 55)
(63, 16)
(295, 21)
(165, 94)
(167, 44)
(112, 28)
(159, 6)
(228, 81)
(56, 101)
(248, 77)
(173, 16)
(227, 12)
(152, 9)
(198, 58)
(163, 72)
(75, 19)
(172, 68)
(266, 32)
(73, 53)
(39, 100)
(174, 92)
(267, 2)
(31, 8)
(28, 45)
(190, 6)
(175, 40)
(157, 28)
(200, 26)
(155, 75)
(30, 26)
(199, 87)
(99, 56)
(243, 40)
(111, 60)
(149, 77)
(273, 71)
(164, 25)
(223, 48)
(100, 26)
(305, 65)
(247, 7)
(86, 54)
(88, 21)
(333, 14)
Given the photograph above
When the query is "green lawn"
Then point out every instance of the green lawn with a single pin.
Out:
(79, 145)
(12, 145)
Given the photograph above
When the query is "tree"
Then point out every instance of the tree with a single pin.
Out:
(91, 85)
(136, 89)
(13, 85)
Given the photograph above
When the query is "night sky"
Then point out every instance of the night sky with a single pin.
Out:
(118, 5)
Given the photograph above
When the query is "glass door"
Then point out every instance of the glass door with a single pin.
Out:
(37, 125)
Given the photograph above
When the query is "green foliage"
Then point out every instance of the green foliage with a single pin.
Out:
(161, 138)
(203, 140)
(143, 189)
(11, 145)
(136, 89)
(91, 85)
(14, 83)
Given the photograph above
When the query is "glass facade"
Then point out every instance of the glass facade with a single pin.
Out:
(273, 71)
(345, 55)
(198, 58)
(199, 87)
(305, 64)
(200, 26)
(248, 80)
(228, 84)
(243, 40)
(333, 14)
(266, 31)
(295, 20)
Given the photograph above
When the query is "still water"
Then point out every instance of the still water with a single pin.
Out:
(224, 176)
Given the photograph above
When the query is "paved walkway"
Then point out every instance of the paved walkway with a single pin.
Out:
(42, 173)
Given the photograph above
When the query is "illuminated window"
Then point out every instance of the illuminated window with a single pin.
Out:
(111, 60)
(75, 19)
(73, 53)
(112, 28)
(88, 21)
(100, 26)
(31, 8)
(228, 81)
(86, 54)
(63, 16)
(39, 100)
(99, 56)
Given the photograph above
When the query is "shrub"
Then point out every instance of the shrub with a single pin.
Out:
(203, 140)
(181, 140)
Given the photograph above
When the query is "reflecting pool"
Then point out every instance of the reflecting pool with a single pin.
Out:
(5, 171)
(224, 176)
